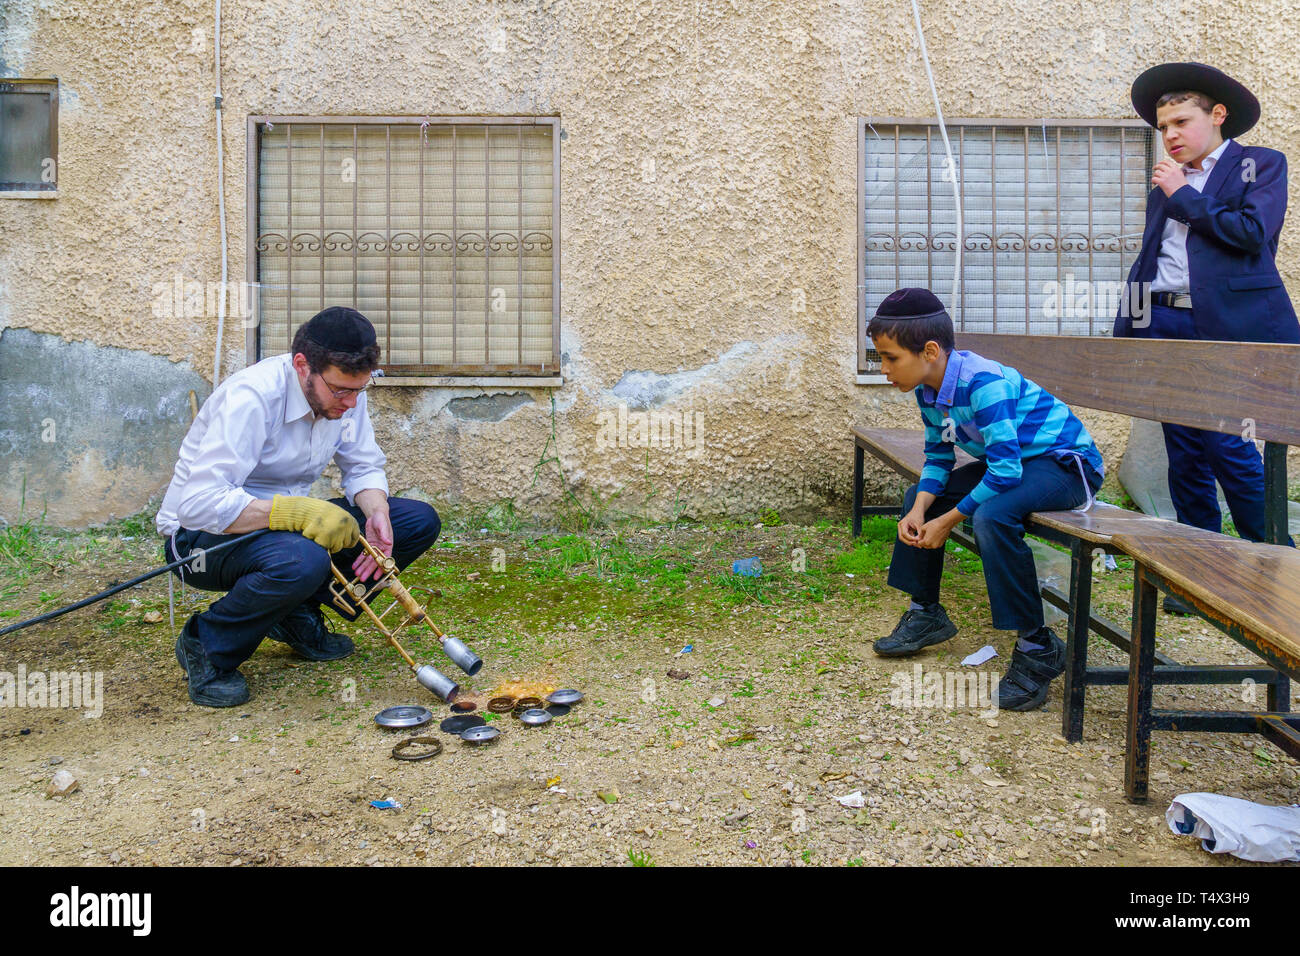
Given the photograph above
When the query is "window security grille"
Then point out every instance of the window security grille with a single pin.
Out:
(1052, 216)
(441, 231)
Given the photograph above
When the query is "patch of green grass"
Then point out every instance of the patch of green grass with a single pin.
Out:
(868, 557)
(880, 528)
(1117, 496)
(968, 562)
(640, 858)
(22, 546)
(136, 526)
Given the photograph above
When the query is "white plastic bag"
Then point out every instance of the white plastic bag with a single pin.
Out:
(1250, 831)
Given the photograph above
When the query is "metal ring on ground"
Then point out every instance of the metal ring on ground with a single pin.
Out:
(433, 743)
(501, 705)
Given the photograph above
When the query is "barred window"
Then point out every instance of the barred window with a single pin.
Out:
(441, 231)
(1052, 218)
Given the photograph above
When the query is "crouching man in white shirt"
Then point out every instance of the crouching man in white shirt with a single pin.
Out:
(259, 442)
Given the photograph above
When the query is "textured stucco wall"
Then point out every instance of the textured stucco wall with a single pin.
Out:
(749, 113)
(87, 431)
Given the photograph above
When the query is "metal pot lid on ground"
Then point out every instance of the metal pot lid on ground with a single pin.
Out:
(403, 716)
(480, 735)
(461, 723)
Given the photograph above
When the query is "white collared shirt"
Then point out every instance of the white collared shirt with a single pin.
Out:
(256, 437)
(1172, 273)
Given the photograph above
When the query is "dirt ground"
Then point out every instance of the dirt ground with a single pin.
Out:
(785, 708)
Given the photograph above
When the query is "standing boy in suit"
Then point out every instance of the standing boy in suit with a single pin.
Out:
(1211, 234)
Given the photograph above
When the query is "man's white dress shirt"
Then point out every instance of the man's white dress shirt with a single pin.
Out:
(1171, 267)
(256, 437)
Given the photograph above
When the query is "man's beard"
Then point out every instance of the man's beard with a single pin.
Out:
(313, 403)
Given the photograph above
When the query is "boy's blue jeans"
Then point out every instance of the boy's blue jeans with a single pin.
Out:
(1009, 572)
(271, 576)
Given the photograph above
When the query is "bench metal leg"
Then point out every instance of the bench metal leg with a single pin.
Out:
(1275, 501)
(857, 489)
(1076, 658)
(1141, 664)
(1279, 694)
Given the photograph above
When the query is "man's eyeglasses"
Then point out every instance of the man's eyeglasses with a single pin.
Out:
(342, 392)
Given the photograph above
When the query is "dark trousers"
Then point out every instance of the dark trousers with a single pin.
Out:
(273, 575)
(1009, 571)
(1197, 457)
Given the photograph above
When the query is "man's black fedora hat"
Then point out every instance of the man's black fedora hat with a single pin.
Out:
(1243, 108)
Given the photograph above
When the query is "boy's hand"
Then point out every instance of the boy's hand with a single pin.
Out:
(909, 527)
(1168, 175)
(935, 533)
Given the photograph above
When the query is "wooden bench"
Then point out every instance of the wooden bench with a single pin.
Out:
(1249, 591)
(1236, 385)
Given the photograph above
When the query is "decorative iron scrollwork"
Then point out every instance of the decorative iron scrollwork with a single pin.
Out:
(405, 242)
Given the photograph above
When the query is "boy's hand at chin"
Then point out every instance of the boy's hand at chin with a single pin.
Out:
(1168, 175)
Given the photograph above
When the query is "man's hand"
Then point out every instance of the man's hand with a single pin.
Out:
(379, 532)
(322, 521)
(1168, 175)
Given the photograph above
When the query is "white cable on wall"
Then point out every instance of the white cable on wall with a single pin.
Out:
(221, 213)
(952, 165)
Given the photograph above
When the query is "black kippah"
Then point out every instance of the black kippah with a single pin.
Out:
(340, 329)
(911, 304)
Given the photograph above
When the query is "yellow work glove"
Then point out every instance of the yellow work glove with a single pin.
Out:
(322, 521)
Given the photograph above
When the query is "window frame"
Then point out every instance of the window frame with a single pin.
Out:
(546, 373)
(867, 375)
(49, 86)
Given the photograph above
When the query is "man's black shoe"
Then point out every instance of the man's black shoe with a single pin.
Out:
(209, 687)
(1173, 604)
(916, 630)
(304, 630)
(1024, 686)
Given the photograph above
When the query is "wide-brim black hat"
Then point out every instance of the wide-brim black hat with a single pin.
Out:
(1243, 108)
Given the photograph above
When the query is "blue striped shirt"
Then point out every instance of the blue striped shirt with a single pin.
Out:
(994, 413)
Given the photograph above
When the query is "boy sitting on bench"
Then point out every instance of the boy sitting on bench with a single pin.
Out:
(1032, 454)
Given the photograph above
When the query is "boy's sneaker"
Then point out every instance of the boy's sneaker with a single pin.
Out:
(1024, 686)
(209, 686)
(917, 630)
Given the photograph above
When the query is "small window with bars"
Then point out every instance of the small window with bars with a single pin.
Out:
(442, 231)
(29, 137)
(1052, 219)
